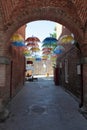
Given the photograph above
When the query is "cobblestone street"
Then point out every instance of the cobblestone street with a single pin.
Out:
(41, 105)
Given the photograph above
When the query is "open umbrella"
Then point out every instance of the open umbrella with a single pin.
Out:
(26, 53)
(46, 49)
(31, 58)
(16, 37)
(49, 41)
(32, 40)
(46, 52)
(18, 44)
(38, 58)
(59, 49)
(32, 44)
(44, 57)
(35, 49)
(66, 39)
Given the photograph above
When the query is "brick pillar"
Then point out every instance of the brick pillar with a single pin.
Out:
(3, 62)
(85, 85)
(84, 71)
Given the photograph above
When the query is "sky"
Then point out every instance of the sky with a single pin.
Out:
(40, 29)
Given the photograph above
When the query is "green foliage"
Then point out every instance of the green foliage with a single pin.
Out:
(53, 35)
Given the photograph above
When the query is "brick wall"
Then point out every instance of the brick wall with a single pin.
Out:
(12, 68)
(72, 55)
(74, 80)
(16, 70)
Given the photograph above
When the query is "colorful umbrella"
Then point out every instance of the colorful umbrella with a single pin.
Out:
(59, 49)
(32, 45)
(18, 43)
(45, 57)
(66, 39)
(26, 53)
(32, 40)
(46, 49)
(35, 49)
(46, 52)
(38, 59)
(31, 58)
(17, 37)
(49, 41)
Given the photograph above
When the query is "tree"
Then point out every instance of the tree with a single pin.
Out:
(54, 33)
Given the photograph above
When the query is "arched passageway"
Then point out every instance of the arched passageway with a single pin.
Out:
(58, 11)
(71, 14)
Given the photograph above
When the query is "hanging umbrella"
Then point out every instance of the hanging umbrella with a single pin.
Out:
(46, 49)
(31, 58)
(26, 53)
(38, 59)
(32, 40)
(35, 49)
(44, 57)
(18, 43)
(16, 37)
(66, 39)
(49, 41)
(59, 49)
(32, 44)
(46, 52)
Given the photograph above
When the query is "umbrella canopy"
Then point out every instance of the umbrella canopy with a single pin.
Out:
(17, 37)
(35, 49)
(66, 39)
(46, 52)
(44, 57)
(31, 58)
(49, 41)
(32, 44)
(26, 53)
(46, 49)
(18, 43)
(59, 49)
(38, 59)
(32, 40)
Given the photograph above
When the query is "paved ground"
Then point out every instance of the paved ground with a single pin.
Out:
(41, 105)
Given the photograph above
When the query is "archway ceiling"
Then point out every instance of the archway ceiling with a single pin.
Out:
(14, 14)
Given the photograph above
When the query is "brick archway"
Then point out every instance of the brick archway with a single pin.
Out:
(20, 13)
(16, 13)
